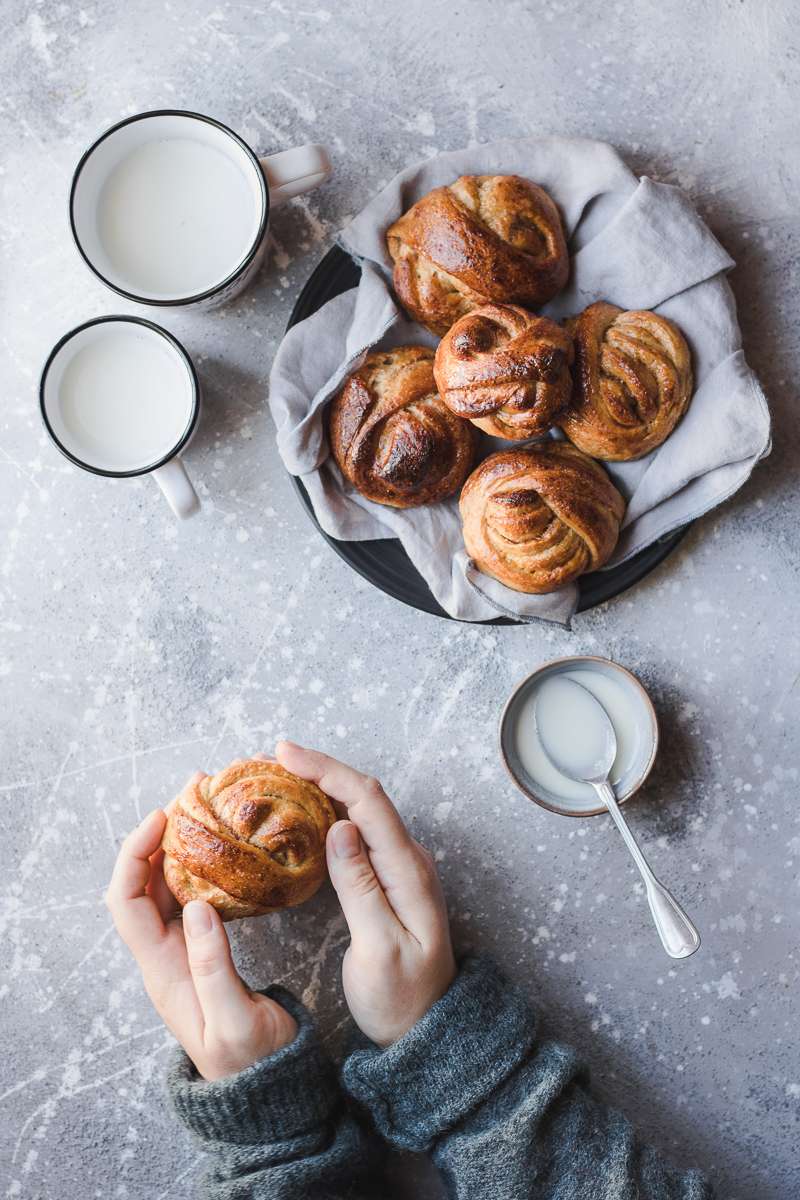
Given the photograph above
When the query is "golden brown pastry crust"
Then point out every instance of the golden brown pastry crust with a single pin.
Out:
(505, 370)
(249, 840)
(393, 437)
(483, 238)
(633, 382)
(538, 518)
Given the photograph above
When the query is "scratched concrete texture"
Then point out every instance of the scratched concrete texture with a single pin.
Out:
(134, 649)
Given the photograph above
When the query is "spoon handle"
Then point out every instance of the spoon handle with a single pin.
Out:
(678, 935)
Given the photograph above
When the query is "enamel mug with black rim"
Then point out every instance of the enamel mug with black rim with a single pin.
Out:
(171, 208)
(120, 397)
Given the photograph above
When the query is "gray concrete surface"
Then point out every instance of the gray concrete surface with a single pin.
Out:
(133, 650)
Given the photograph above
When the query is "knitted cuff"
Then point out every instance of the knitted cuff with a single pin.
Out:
(283, 1096)
(448, 1063)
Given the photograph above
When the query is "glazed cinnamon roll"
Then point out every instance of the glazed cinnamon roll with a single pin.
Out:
(537, 518)
(633, 382)
(393, 437)
(249, 840)
(505, 370)
(483, 238)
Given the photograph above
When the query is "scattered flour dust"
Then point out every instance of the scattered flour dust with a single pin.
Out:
(726, 987)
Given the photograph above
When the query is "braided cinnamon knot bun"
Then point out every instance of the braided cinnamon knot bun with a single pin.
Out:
(249, 840)
(505, 370)
(482, 238)
(538, 518)
(633, 382)
(392, 436)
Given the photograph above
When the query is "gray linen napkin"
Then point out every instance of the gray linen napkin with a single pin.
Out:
(636, 243)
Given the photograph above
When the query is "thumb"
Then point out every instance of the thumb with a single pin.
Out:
(366, 909)
(220, 991)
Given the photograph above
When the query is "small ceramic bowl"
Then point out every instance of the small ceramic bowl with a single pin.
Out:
(644, 718)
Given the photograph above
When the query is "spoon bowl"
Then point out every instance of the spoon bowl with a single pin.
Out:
(564, 709)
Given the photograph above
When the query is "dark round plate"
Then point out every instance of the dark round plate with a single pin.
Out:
(384, 562)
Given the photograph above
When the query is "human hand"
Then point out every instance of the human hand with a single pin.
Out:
(186, 964)
(400, 959)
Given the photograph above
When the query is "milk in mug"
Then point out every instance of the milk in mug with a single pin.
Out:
(175, 217)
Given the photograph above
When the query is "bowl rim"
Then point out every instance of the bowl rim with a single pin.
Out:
(559, 662)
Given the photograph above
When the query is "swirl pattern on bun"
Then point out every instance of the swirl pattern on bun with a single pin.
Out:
(537, 518)
(505, 370)
(392, 436)
(483, 238)
(249, 840)
(633, 382)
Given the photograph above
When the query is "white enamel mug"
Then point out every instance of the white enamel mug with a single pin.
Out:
(171, 208)
(120, 397)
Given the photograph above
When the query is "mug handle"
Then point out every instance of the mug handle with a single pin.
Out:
(292, 172)
(177, 488)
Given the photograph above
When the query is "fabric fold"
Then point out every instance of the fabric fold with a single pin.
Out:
(649, 221)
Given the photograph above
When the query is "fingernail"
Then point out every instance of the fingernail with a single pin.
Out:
(346, 840)
(196, 918)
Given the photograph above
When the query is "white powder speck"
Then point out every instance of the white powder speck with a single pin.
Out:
(727, 987)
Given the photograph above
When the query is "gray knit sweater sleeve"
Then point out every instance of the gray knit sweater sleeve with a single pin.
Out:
(501, 1113)
(279, 1130)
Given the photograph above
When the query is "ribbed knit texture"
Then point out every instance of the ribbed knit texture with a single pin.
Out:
(504, 1116)
(300, 1080)
(280, 1129)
